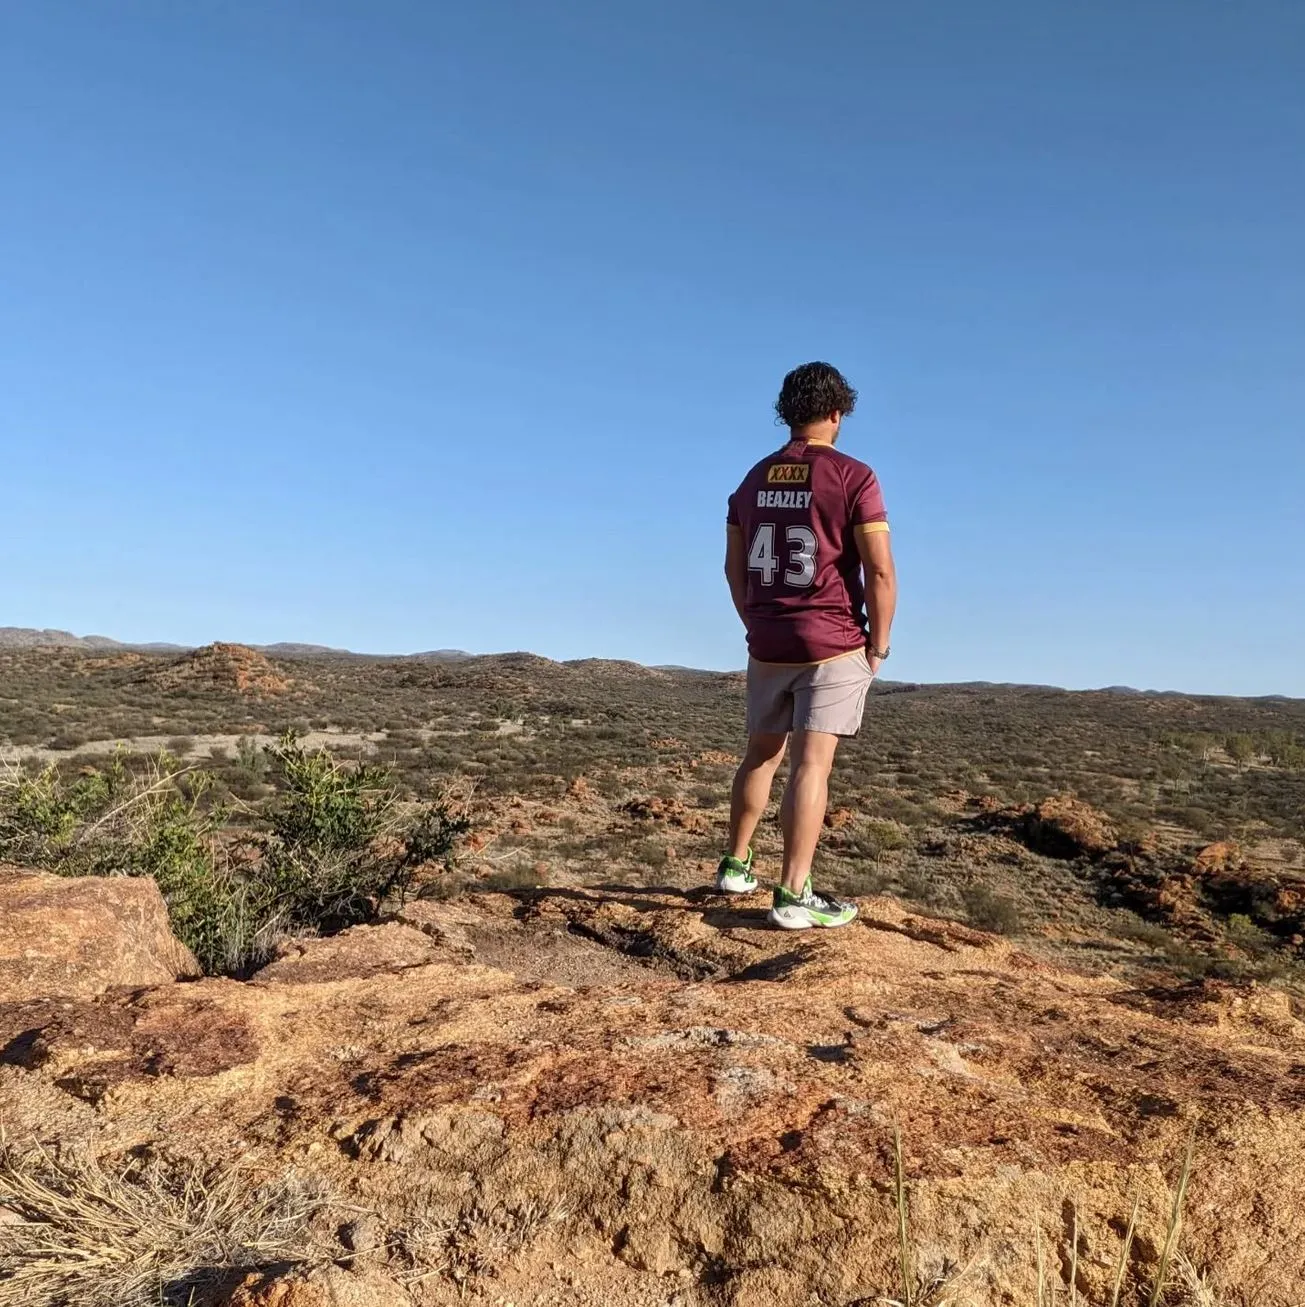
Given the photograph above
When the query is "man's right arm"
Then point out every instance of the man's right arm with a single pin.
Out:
(873, 544)
(736, 569)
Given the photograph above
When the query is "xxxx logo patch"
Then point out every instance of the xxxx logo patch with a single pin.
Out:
(788, 474)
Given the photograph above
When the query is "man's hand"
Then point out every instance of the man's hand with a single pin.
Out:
(875, 656)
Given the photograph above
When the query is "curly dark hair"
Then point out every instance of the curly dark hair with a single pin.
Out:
(813, 392)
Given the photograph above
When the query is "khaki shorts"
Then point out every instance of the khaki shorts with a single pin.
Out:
(826, 697)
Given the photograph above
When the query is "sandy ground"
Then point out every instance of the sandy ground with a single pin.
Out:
(203, 746)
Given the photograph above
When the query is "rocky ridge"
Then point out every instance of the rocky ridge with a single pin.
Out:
(1192, 889)
(221, 667)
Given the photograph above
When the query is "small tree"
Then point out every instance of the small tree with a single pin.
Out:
(1240, 748)
(342, 843)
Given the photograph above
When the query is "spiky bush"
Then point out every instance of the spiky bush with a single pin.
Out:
(332, 847)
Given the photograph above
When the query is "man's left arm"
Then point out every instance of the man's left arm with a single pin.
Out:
(870, 527)
(873, 544)
(736, 569)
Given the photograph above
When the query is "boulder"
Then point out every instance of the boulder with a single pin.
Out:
(1218, 858)
(1065, 827)
(80, 936)
(673, 812)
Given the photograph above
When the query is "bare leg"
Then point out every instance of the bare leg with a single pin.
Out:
(751, 790)
(805, 799)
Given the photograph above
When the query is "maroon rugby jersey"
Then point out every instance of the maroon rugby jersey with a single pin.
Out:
(797, 510)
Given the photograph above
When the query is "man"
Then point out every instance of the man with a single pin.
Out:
(804, 525)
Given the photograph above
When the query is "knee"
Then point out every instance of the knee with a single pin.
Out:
(764, 751)
(810, 767)
(810, 771)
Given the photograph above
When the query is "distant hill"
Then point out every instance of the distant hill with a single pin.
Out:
(291, 649)
(217, 667)
(443, 655)
(25, 637)
(22, 637)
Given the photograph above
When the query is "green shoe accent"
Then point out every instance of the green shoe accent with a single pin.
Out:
(792, 911)
(734, 875)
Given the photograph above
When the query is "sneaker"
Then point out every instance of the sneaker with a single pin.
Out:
(734, 876)
(802, 911)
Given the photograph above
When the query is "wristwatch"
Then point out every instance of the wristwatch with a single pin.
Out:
(881, 654)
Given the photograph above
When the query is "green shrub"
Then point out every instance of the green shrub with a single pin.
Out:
(1251, 938)
(251, 759)
(111, 822)
(341, 842)
(918, 886)
(336, 845)
(511, 878)
(991, 911)
(1145, 932)
(883, 837)
(648, 853)
(42, 813)
(325, 806)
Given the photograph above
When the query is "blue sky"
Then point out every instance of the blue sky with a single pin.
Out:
(400, 325)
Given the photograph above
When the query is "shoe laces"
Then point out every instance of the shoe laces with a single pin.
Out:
(826, 902)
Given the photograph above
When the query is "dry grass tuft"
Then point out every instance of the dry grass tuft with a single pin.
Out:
(1040, 1259)
(74, 1229)
(1073, 1263)
(476, 1242)
(1175, 1225)
(1121, 1267)
(1174, 1271)
(1196, 1289)
(935, 1286)
(905, 1256)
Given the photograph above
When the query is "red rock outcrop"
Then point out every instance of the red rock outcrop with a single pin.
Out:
(1060, 826)
(674, 812)
(1066, 827)
(221, 667)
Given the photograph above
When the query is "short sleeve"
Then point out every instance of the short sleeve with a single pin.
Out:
(732, 512)
(868, 502)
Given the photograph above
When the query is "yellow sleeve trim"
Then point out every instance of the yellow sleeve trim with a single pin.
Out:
(871, 528)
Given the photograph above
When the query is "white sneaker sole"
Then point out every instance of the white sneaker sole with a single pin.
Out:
(799, 919)
(732, 885)
(786, 922)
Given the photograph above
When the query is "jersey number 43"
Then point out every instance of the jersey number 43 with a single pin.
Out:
(801, 542)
